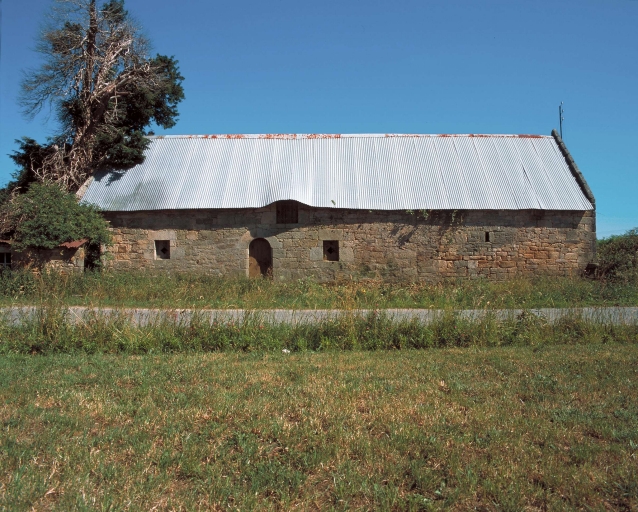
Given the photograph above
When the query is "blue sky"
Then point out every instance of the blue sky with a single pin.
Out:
(459, 66)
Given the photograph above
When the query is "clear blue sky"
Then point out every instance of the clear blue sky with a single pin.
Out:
(406, 66)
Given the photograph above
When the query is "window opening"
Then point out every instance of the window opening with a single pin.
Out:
(331, 250)
(287, 212)
(487, 236)
(5, 260)
(162, 249)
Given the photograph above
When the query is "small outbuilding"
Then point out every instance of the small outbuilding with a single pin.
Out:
(67, 258)
(399, 207)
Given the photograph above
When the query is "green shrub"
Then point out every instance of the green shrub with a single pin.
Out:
(46, 216)
(618, 257)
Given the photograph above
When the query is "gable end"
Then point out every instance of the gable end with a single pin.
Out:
(580, 179)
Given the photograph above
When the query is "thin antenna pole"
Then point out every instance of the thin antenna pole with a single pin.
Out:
(561, 118)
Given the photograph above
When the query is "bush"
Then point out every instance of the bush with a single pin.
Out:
(617, 257)
(46, 216)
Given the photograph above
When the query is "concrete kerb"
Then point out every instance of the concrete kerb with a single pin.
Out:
(147, 316)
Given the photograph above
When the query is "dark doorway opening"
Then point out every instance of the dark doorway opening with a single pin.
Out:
(259, 258)
(92, 261)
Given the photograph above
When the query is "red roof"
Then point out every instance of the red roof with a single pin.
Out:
(74, 245)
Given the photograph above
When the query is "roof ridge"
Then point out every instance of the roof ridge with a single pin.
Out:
(294, 136)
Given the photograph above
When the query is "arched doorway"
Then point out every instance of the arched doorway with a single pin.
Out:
(259, 258)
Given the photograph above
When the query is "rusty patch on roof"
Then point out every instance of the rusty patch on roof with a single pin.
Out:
(295, 136)
(75, 244)
(323, 136)
(285, 136)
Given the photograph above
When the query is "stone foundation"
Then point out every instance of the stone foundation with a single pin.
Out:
(394, 245)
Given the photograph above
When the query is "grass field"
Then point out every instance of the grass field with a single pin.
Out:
(137, 289)
(508, 428)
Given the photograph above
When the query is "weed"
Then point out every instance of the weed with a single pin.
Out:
(190, 290)
(52, 330)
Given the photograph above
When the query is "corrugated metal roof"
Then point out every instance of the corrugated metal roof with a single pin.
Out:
(75, 244)
(358, 171)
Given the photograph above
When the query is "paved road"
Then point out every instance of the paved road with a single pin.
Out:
(144, 316)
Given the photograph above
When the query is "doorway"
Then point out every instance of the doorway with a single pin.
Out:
(92, 260)
(259, 258)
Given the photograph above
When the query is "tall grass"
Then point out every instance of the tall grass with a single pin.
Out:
(50, 330)
(188, 290)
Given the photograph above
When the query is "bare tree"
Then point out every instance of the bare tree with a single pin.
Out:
(104, 88)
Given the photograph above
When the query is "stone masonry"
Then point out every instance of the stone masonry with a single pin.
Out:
(61, 259)
(393, 245)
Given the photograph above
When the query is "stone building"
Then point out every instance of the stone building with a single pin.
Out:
(67, 258)
(399, 207)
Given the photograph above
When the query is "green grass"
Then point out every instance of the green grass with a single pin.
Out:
(52, 330)
(137, 289)
(508, 428)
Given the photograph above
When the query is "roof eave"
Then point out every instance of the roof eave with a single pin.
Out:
(85, 186)
(580, 179)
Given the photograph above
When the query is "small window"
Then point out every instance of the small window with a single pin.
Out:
(487, 236)
(162, 249)
(331, 250)
(287, 212)
(5, 260)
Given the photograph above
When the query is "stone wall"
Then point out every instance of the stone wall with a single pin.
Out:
(395, 245)
(61, 259)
